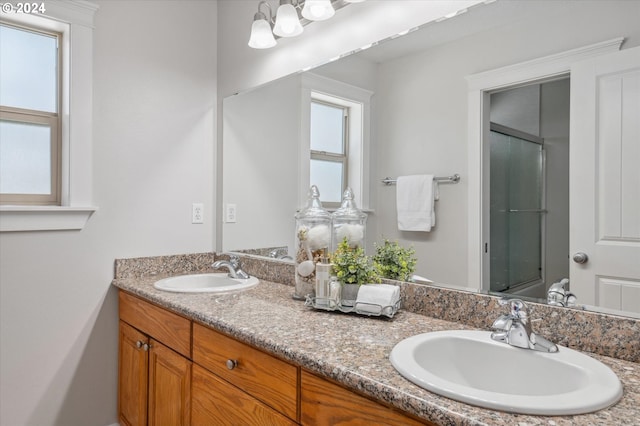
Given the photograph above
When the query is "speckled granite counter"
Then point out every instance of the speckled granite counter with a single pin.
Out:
(354, 350)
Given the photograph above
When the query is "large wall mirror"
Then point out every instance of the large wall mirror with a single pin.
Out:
(415, 93)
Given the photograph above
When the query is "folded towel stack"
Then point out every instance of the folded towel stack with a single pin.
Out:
(379, 299)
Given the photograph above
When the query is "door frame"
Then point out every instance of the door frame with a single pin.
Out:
(480, 86)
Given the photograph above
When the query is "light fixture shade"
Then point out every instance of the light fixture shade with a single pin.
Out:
(261, 35)
(287, 22)
(318, 10)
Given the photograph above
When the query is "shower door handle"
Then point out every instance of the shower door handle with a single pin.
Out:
(527, 210)
(580, 257)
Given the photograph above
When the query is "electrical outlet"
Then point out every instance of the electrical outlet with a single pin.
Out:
(197, 213)
(231, 213)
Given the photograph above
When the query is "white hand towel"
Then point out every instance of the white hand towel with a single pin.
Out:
(415, 202)
(377, 298)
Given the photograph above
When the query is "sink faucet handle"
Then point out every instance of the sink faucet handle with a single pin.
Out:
(517, 308)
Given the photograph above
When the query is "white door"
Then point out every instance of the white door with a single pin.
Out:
(605, 181)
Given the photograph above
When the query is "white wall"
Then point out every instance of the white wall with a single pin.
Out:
(260, 175)
(518, 108)
(154, 134)
(554, 128)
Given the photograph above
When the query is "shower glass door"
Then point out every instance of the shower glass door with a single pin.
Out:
(516, 210)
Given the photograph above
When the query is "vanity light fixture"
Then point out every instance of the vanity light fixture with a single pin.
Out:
(318, 10)
(289, 19)
(261, 35)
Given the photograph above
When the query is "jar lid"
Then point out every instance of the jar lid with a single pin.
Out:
(348, 208)
(313, 207)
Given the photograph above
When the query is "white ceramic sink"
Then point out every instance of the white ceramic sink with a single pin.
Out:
(205, 283)
(469, 366)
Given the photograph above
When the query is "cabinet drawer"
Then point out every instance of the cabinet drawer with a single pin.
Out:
(261, 375)
(216, 402)
(168, 328)
(325, 403)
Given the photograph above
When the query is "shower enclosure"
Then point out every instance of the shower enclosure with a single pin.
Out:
(516, 209)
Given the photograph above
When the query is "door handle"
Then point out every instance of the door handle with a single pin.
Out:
(580, 257)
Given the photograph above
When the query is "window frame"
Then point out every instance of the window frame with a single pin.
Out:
(333, 157)
(51, 119)
(359, 150)
(75, 20)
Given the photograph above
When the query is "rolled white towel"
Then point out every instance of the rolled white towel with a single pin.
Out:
(374, 297)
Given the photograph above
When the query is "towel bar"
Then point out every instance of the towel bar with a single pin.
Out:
(442, 179)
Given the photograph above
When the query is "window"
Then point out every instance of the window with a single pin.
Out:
(329, 146)
(29, 116)
(72, 23)
(335, 140)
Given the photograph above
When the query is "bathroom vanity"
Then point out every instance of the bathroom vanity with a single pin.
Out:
(177, 371)
(260, 357)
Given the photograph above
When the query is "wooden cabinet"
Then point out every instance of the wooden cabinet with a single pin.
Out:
(266, 378)
(326, 403)
(166, 327)
(133, 365)
(154, 383)
(169, 387)
(175, 372)
(216, 402)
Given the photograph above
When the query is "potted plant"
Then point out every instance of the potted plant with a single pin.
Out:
(394, 261)
(353, 269)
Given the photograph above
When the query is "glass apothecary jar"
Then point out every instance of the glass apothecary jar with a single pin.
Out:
(348, 222)
(312, 242)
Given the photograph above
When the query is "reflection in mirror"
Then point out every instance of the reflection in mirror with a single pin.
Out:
(418, 99)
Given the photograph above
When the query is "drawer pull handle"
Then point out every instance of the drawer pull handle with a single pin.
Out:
(231, 364)
(145, 346)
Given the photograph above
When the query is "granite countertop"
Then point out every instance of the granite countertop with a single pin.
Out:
(354, 350)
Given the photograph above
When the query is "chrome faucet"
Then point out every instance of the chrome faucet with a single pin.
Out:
(279, 253)
(233, 266)
(515, 328)
(558, 295)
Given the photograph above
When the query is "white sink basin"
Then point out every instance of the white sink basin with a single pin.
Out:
(469, 366)
(205, 283)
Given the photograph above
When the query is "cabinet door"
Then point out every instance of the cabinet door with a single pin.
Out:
(169, 387)
(325, 403)
(132, 378)
(216, 402)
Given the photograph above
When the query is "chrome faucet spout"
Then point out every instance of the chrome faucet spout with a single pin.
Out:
(515, 328)
(233, 266)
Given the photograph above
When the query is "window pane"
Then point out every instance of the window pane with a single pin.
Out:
(28, 70)
(327, 130)
(25, 158)
(327, 176)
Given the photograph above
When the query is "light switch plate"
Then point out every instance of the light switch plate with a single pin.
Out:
(231, 213)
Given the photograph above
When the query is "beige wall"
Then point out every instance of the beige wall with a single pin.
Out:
(154, 135)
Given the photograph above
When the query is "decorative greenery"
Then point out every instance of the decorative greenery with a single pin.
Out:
(352, 266)
(394, 261)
